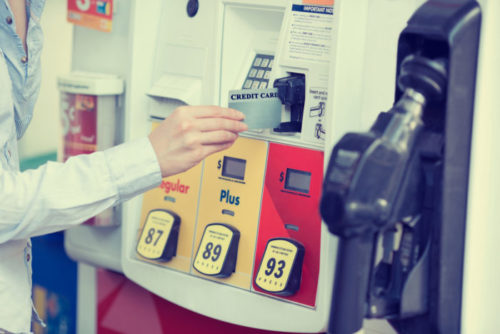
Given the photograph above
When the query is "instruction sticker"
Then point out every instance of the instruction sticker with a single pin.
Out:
(262, 107)
(317, 107)
(309, 35)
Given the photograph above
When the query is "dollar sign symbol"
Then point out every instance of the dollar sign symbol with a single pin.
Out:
(219, 164)
(282, 176)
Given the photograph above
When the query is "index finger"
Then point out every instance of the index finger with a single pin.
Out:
(215, 111)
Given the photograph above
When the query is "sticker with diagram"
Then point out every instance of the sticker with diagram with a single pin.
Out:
(316, 111)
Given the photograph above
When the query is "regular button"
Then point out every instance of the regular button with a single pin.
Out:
(28, 257)
(24, 59)
(8, 20)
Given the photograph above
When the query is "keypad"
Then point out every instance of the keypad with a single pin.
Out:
(259, 73)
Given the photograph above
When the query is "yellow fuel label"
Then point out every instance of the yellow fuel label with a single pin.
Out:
(276, 266)
(231, 193)
(179, 194)
(216, 254)
(155, 234)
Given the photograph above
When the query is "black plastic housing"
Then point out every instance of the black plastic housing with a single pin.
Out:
(448, 29)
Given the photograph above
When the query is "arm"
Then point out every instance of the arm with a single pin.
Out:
(59, 195)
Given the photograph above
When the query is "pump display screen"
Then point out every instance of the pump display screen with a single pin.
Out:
(234, 167)
(297, 180)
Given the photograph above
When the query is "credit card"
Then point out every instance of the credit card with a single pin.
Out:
(262, 107)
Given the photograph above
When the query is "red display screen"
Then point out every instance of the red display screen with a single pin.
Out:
(298, 180)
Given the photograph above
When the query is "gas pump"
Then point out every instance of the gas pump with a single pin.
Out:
(242, 229)
(396, 196)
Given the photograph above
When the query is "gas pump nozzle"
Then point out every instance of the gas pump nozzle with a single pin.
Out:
(367, 179)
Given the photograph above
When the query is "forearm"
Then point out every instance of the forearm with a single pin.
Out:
(59, 195)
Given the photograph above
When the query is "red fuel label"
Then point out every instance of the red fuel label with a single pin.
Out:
(290, 225)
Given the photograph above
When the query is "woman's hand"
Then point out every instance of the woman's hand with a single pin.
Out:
(191, 133)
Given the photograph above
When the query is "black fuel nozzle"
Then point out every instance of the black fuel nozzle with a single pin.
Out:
(422, 81)
(291, 92)
(426, 76)
(363, 184)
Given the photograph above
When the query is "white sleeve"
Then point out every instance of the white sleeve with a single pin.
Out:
(58, 195)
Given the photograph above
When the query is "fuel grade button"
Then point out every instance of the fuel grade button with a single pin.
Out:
(218, 250)
(280, 270)
(158, 239)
